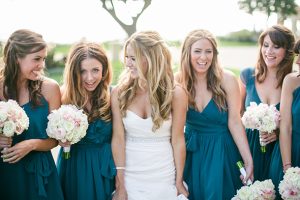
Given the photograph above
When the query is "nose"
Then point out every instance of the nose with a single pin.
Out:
(128, 62)
(269, 49)
(89, 76)
(203, 55)
(41, 65)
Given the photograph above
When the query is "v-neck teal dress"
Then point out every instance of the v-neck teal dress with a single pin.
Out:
(210, 169)
(35, 176)
(261, 161)
(89, 172)
(276, 170)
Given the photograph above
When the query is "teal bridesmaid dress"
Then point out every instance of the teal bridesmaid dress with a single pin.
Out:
(276, 170)
(35, 176)
(261, 161)
(89, 172)
(296, 128)
(210, 170)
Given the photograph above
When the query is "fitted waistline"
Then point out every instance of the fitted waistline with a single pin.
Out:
(147, 140)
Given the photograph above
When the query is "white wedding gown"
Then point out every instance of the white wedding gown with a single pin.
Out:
(150, 170)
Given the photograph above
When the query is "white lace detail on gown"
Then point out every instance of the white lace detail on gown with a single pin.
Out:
(150, 170)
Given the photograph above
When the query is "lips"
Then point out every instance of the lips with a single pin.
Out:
(90, 85)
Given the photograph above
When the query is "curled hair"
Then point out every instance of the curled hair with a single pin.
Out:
(21, 43)
(159, 76)
(75, 94)
(297, 50)
(282, 37)
(214, 74)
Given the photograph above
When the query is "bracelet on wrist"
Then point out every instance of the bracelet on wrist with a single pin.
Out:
(287, 164)
(120, 168)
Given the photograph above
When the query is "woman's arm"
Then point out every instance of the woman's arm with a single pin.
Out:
(179, 108)
(233, 99)
(51, 92)
(118, 146)
(285, 136)
(243, 96)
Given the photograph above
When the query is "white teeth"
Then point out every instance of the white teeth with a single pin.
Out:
(270, 57)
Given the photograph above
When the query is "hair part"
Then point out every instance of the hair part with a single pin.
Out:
(75, 93)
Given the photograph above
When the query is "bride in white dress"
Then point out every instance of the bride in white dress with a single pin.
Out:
(148, 119)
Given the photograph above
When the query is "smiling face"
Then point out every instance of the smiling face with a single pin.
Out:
(131, 63)
(201, 55)
(32, 65)
(91, 73)
(272, 53)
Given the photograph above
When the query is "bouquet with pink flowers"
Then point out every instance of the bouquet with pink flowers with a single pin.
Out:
(262, 117)
(259, 190)
(13, 118)
(289, 187)
(67, 124)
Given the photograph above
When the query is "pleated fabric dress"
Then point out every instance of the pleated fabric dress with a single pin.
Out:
(35, 176)
(210, 170)
(276, 169)
(89, 172)
(261, 161)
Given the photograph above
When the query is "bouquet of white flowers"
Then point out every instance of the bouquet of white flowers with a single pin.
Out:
(67, 124)
(289, 187)
(13, 118)
(259, 190)
(262, 117)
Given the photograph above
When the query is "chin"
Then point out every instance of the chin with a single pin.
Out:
(89, 89)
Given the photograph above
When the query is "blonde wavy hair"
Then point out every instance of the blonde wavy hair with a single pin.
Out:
(282, 37)
(75, 94)
(159, 76)
(214, 74)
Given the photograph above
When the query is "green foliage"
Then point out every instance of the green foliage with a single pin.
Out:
(284, 8)
(240, 38)
(57, 56)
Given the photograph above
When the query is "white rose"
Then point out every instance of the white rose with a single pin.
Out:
(9, 128)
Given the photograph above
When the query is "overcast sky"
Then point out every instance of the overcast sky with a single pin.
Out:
(67, 21)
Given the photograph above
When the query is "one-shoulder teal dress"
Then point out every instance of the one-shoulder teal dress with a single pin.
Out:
(210, 170)
(34, 176)
(276, 170)
(89, 173)
(261, 161)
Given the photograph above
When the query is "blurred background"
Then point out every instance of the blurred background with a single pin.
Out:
(236, 24)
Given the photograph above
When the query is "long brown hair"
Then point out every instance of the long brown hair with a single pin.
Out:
(214, 74)
(283, 37)
(75, 94)
(21, 43)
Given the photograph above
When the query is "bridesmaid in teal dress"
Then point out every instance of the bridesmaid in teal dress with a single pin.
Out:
(263, 85)
(289, 125)
(89, 172)
(214, 134)
(27, 168)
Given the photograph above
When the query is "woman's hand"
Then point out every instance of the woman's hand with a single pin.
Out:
(267, 138)
(17, 152)
(181, 189)
(64, 144)
(5, 142)
(249, 174)
(120, 194)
